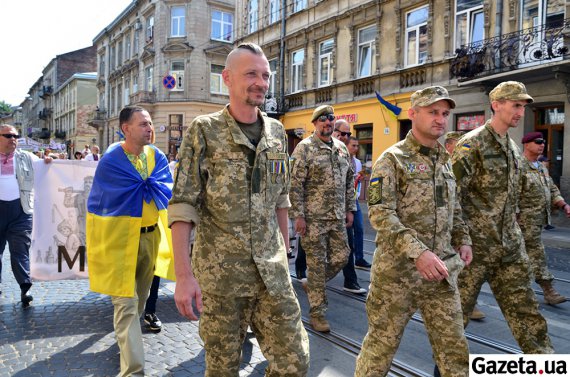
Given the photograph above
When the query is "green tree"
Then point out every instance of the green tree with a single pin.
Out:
(5, 108)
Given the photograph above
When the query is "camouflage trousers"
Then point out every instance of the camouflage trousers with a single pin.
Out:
(276, 322)
(535, 251)
(510, 283)
(326, 245)
(394, 297)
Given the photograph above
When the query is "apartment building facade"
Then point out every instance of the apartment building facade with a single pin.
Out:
(166, 56)
(341, 52)
(72, 104)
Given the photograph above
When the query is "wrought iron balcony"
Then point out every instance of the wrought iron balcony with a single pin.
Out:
(524, 48)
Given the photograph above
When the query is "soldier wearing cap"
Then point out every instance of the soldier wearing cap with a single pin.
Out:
(322, 201)
(451, 140)
(421, 246)
(488, 168)
(538, 195)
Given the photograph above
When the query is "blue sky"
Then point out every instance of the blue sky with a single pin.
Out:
(35, 31)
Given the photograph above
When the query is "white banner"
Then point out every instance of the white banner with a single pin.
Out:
(61, 189)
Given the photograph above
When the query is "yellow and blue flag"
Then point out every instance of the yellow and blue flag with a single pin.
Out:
(392, 109)
(114, 218)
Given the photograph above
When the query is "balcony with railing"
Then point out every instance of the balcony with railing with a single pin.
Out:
(524, 48)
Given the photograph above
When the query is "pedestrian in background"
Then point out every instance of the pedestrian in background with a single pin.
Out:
(16, 207)
(422, 244)
(130, 193)
(538, 195)
(322, 202)
(488, 166)
(232, 185)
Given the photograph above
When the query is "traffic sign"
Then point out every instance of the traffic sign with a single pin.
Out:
(169, 82)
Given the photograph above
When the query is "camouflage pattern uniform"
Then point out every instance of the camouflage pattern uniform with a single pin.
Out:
(488, 172)
(322, 191)
(239, 256)
(413, 207)
(538, 195)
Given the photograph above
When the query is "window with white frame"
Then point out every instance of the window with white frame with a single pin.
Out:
(297, 58)
(272, 78)
(113, 58)
(217, 85)
(127, 91)
(416, 36)
(149, 28)
(128, 46)
(177, 71)
(366, 51)
(178, 21)
(136, 42)
(252, 15)
(120, 53)
(325, 58)
(299, 5)
(469, 22)
(135, 82)
(148, 73)
(274, 11)
(222, 26)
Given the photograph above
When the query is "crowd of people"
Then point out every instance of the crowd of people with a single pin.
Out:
(449, 221)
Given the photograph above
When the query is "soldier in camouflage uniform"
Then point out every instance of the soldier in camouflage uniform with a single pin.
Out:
(451, 140)
(487, 165)
(421, 245)
(322, 200)
(538, 195)
(231, 183)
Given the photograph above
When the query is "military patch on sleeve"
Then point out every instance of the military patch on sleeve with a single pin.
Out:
(375, 191)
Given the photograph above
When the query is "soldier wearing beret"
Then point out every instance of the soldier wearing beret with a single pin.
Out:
(488, 167)
(231, 183)
(322, 200)
(421, 246)
(538, 195)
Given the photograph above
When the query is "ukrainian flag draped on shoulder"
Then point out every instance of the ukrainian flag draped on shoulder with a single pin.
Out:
(114, 217)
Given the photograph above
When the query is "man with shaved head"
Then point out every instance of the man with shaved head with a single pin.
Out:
(231, 184)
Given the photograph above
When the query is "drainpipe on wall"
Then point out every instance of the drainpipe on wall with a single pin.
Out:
(282, 59)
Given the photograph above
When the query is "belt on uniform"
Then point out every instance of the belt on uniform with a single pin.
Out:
(148, 229)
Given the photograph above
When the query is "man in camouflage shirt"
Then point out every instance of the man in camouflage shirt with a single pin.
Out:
(538, 195)
(322, 200)
(487, 165)
(421, 245)
(231, 184)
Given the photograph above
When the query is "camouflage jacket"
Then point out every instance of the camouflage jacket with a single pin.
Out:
(322, 180)
(238, 246)
(412, 202)
(538, 194)
(489, 177)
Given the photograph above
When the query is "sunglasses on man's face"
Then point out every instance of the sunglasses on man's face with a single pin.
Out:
(344, 133)
(11, 136)
(323, 118)
(538, 141)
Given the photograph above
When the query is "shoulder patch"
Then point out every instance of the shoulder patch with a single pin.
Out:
(375, 191)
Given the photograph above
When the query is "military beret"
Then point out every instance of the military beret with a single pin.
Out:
(531, 136)
(453, 135)
(323, 109)
(430, 95)
(510, 90)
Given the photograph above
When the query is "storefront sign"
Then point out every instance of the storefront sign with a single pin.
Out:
(467, 122)
(350, 118)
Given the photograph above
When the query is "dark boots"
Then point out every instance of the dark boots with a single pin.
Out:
(25, 297)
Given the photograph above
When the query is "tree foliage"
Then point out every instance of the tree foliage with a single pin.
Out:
(5, 108)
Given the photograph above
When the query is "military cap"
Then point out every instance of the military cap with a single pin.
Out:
(453, 135)
(322, 110)
(510, 90)
(430, 95)
(531, 136)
